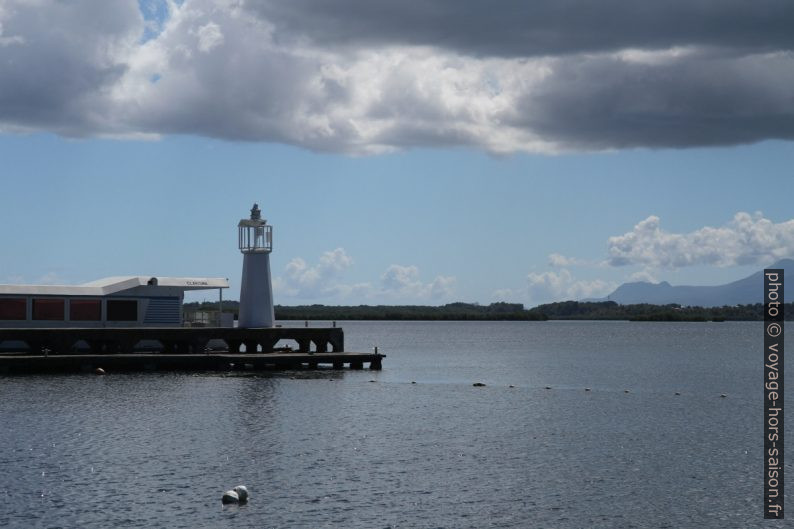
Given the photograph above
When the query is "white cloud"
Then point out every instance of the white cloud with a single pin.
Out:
(560, 261)
(209, 37)
(303, 281)
(509, 295)
(403, 281)
(398, 277)
(559, 286)
(398, 283)
(645, 274)
(745, 240)
(442, 287)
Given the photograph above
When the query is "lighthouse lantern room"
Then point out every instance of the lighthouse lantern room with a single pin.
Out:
(255, 240)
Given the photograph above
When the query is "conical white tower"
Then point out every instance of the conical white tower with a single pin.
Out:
(256, 293)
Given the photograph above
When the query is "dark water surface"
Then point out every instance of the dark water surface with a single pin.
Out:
(334, 449)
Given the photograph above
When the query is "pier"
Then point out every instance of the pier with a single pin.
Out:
(180, 349)
(133, 323)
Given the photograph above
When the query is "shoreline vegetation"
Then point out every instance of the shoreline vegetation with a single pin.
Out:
(564, 310)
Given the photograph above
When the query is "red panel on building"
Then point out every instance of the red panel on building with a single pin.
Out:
(48, 309)
(85, 310)
(13, 309)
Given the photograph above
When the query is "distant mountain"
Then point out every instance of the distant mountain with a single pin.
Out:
(744, 291)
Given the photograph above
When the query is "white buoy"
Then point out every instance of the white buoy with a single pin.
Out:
(255, 240)
(230, 497)
(242, 493)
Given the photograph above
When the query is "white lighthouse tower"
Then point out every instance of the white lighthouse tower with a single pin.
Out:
(256, 293)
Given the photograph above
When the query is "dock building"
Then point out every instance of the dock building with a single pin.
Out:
(128, 301)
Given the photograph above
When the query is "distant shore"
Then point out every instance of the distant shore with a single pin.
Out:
(564, 310)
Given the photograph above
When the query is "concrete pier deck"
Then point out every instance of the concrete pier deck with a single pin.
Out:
(110, 363)
(109, 340)
(32, 350)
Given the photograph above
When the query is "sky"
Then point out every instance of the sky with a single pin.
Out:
(405, 152)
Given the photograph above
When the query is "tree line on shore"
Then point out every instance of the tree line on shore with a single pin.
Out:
(563, 310)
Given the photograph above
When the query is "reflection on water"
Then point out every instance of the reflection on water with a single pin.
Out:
(369, 449)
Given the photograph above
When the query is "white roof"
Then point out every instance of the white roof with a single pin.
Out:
(112, 285)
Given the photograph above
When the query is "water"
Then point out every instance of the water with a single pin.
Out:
(335, 449)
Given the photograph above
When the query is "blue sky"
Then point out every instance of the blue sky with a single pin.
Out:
(450, 184)
(75, 210)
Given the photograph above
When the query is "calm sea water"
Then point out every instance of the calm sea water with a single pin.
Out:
(374, 449)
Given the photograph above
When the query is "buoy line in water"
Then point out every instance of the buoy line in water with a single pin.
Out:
(586, 389)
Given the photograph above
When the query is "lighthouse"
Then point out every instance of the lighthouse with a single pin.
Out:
(255, 238)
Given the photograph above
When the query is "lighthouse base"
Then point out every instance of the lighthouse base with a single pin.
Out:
(256, 292)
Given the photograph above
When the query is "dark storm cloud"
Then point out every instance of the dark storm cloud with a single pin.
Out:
(56, 63)
(608, 103)
(368, 76)
(521, 28)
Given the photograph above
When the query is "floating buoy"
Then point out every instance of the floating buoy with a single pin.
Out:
(478, 385)
(99, 371)
(230, 497)
(242, 493)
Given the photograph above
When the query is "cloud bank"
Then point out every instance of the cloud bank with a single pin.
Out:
(356, 76)
(562, 285)
(325, 279)
(404, 281)
(559, 285)
(745, 240)
(316, 281)
(748, 239)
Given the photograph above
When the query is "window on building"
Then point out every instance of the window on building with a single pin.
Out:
(85, 310)
(122, 310)
(13, 309)
(48, 309)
